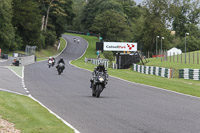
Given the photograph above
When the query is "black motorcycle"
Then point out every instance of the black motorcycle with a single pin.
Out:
(60, 68)
(99, 83)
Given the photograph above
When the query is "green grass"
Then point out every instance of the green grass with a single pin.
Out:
(50, 51)
(45, 53)
(190, 87)
(29, 116)
(176, 64)
(17, 70)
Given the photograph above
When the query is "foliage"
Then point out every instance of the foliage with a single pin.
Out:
(7, 33)
(190, 87)
(109, 55)
(112, 26)
(27, 21)
(50, 37)
(26, 25)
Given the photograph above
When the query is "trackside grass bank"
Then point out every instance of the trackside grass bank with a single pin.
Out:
(50, 51)
(179, 85)
(29, 116)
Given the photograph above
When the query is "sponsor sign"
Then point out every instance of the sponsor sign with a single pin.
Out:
(120, 46)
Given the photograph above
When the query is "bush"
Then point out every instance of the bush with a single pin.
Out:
(50, 38)
(108, 55)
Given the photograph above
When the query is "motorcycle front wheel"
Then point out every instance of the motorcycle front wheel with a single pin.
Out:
(99, 89)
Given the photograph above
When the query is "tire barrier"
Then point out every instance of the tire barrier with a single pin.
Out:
(189, 74)
(158, 71)
(97, 61)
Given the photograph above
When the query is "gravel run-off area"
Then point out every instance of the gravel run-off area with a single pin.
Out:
(7, 127)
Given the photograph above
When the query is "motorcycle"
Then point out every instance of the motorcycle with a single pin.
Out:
(50, 63)
(99, 83)
(60, 68)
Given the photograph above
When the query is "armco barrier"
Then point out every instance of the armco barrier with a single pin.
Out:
(97, 61)
(189, 73)
(158, 71)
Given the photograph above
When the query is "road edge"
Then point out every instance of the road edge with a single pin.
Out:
(135, 82)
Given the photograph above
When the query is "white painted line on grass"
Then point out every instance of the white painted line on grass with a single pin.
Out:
(30, 96)
(13, 72)
(11, 91)
(3, 60)
(66, 123)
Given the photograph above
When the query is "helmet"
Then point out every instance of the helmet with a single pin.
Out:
(61, 58)
(50, 57)
(101, 64)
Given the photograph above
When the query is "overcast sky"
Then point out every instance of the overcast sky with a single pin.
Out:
(138, 1)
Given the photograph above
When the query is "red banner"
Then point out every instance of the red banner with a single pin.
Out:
(154, 56)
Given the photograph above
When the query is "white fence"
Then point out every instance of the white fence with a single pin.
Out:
(97, 61)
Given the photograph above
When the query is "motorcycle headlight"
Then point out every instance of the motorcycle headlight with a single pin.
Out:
(101, 79)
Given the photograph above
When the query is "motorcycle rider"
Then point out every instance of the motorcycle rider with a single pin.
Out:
(99, 68)
(61, 61)
(52, 59)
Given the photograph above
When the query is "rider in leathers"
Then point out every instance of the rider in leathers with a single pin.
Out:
(99, 68)
(61, 61)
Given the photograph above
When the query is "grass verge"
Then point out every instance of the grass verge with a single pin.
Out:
(17, 70)
(29, 116)
(190, 87)
(50, 51)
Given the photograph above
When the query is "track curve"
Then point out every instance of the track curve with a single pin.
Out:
(123, 107)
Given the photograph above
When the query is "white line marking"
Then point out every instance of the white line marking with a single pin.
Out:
(29, 95)
(3, 60)
(13, 72)
(57, 54)
(11, 92)
(66, 123)
(141, 84)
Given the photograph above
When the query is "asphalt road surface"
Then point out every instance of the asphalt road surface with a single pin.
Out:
(9, 81)
(122, 108)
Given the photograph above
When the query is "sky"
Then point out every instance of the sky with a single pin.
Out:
(138, 1)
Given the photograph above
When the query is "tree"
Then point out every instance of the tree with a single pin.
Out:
(112, 26)
(96, 7)
(7, 33)
(152, 23)
(27, 22)
(56, 8)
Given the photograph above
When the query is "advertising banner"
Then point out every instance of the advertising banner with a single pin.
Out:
(119, 46)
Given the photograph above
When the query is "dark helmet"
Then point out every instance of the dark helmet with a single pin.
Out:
(101, 64)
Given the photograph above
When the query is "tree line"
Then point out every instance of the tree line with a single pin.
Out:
(124, 20)
(41, 22)
(33, 22)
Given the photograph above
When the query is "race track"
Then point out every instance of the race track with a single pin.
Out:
(122, 108)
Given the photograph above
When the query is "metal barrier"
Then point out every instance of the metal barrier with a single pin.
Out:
(30, 50)
(97, 61)
(158, 71)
